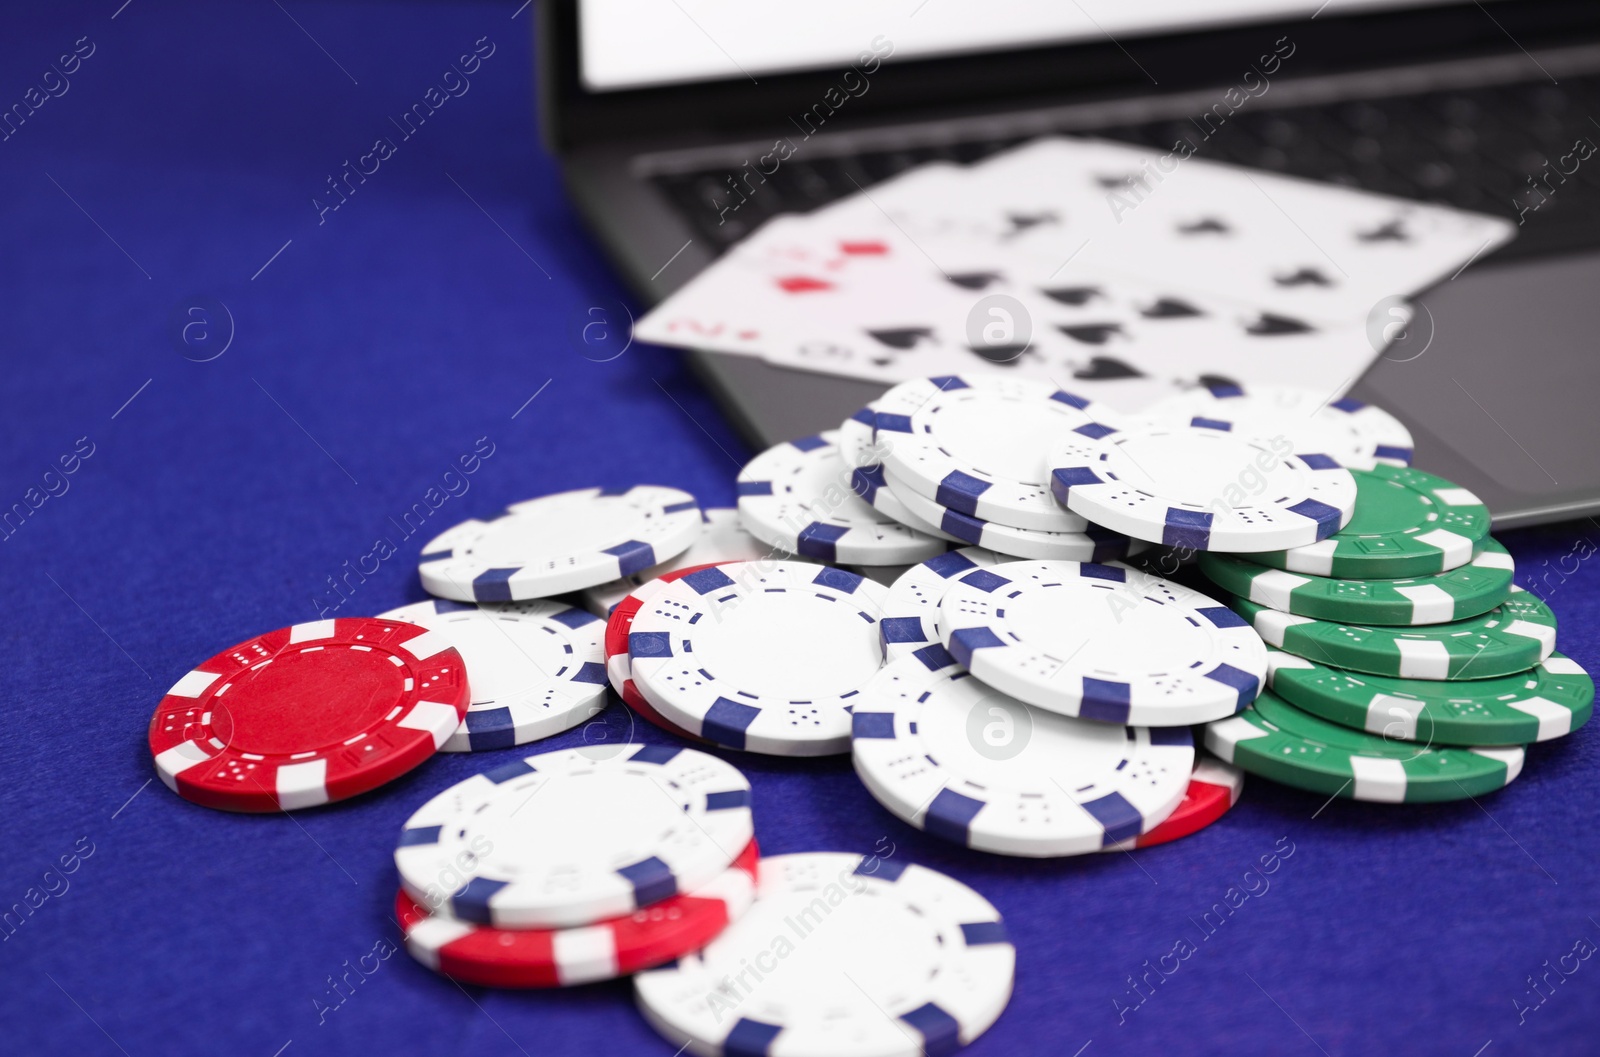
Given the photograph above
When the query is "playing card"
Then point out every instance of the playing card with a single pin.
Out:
(788, 271)
(1078, 330)
(1305, 249)
(846, 294)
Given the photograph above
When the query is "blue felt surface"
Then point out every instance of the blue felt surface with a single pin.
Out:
(375, 349)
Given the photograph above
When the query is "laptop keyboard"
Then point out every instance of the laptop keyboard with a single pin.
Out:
(1474, 148)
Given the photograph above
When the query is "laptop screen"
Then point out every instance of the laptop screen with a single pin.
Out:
(644, 43)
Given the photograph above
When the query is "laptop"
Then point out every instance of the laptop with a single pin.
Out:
(654, 110)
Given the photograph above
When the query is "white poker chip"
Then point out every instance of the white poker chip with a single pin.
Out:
(535, 668)
(1201, 488)
(561, 542)
(722, 539)
(1214, 789)
(911, 613)
(762, 656)
(841, 956)
(963, 761)
(977, 444)
(1102, 642)
(797, 496)
(1092, 543)
(870, 484)
(854, 437)
(575, 836)
(1354, 434)
(856, 448)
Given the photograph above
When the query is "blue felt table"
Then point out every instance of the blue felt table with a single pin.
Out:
(371, 346)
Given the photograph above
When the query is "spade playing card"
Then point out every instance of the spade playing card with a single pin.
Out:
(1303, 249)
(1121, 269)
(1295, 247)
(941, 303)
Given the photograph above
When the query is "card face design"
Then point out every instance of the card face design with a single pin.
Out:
(1125, 270)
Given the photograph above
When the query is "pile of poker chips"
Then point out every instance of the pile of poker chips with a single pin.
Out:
(953, 459)
(1409, 666)
(576, 865)
(1045, 706)
(1023, 710)
(586, 864)
(328, 709)
(779, 658)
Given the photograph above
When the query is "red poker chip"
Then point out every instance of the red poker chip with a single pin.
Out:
(1214, 787)
(619, 667)
(651, 936)
(308, 714)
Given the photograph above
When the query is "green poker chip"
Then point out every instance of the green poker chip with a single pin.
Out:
(1551, 700)
(1512, 637)
(1457, 594)
(1275, 740)
(1406, 523)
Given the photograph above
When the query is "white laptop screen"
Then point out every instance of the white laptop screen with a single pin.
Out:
(643, 43)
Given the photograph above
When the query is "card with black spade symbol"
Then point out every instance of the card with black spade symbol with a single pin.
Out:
(1304, 249)
(849, 295)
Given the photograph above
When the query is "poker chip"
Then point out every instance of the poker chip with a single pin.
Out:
(1214, 788)
(975, 445)
(1275, 740)
(911, 611)
(1093, 543)
(762, 656)
(861, 455)
(1512, 637)
(491, 957)
(536, 668)
(557, 543)
(619, 665)
(963, 761)
(1201, 488)
(1407, 523)
(840, 955)
(920, 525)
(575, 836)
(1457, 594)
(1548, 701)
(798, 497)
(722, 539)
(854, 437)
(1355, 434)
(1102, 642)
(869, 483)
(308, 714)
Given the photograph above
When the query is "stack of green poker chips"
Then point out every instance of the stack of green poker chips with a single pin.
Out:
(1548, 701)
(1409, 666)
(1513, 637)
(1275, 740)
